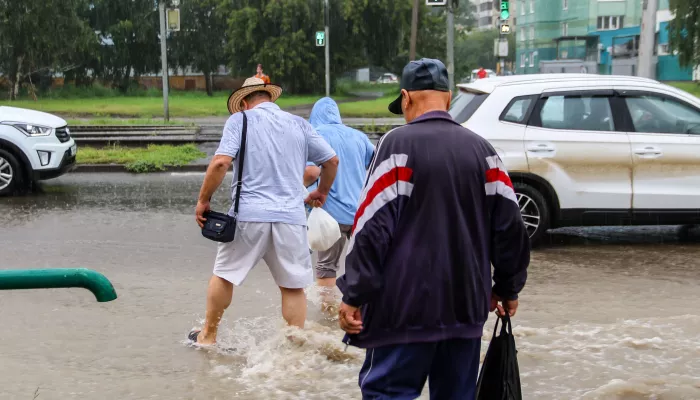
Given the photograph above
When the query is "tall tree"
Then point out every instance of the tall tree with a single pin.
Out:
(33, 37)
(684, 31)
(201, 42)
(129, 38)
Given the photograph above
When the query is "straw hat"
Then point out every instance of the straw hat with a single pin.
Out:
(249, 86)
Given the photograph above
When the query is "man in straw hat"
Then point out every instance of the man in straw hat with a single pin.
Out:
(271, 216)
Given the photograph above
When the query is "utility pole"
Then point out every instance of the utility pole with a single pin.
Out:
(164, 59)
(645, 66)
(328, 53)
(414, 30)
(450, 44)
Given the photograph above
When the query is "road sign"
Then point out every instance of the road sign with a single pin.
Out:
(320, 38)
(435, 2)
(503, 48)
(173, 15)
(505, 29)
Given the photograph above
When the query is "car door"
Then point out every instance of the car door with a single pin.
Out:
(572, 142)
(664, 132)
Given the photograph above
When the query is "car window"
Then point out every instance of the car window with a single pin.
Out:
(582, 113)
(660, 114)
(465, 104)
(517, 110)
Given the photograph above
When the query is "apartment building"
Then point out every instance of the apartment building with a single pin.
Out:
(591, 36)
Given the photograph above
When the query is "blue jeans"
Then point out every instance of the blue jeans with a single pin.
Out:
(399, 372)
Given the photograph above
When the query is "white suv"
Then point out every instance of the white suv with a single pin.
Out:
(591, 149)
(33, 146)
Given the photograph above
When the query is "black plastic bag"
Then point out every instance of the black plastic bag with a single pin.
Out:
(499, 378)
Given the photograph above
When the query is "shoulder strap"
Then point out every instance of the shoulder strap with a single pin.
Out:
(241, 156)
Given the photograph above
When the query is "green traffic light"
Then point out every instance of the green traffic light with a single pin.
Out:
(505, 14)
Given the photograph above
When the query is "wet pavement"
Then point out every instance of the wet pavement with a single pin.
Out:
(608, 313)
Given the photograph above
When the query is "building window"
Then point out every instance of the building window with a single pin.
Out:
(532, 33)
(522, 60)
(532, 6)
(522, 7)
(564, 29)
(610, 22)
(522, 34)
(565, 5)
(532, 59)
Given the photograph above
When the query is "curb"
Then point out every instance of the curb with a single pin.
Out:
(111, 168)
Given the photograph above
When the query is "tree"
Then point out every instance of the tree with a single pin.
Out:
(201, 42)
(684, 31)
(475, 49)
(129, 38)
(33, 37)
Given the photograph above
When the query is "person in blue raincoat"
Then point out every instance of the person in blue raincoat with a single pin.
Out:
(356, 151)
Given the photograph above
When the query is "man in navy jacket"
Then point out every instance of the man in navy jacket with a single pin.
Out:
(436, 211)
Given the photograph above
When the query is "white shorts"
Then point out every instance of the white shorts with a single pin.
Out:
(283, 247)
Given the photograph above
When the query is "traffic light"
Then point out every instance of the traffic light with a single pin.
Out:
(435, 2)
(505, 11)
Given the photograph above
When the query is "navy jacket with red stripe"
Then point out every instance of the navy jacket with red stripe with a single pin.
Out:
(437, 210)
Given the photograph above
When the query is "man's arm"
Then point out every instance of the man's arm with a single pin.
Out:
(320, 152)
(311, 173)
(510, 244)
(219, 165)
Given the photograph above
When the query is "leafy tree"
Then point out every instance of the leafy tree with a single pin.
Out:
(684, 31)
(128, 31)
(475, 49)
(33, 37)
(201, 42)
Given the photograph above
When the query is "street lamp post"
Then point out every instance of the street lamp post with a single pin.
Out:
(327, 51)
(164, 59)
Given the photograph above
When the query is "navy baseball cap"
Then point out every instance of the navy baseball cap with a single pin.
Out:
(424, 74)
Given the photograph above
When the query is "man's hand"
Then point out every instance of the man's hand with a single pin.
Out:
(316, 199)
(350, 319)
(202, 207)
(502, 305)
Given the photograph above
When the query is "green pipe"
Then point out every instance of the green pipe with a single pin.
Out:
(93, 281)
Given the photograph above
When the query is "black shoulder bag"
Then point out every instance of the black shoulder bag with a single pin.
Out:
(221, 227)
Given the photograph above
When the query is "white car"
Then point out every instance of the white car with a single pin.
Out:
(33, 146)
(587, 150)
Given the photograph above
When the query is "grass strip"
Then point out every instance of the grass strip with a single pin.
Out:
(141, 159)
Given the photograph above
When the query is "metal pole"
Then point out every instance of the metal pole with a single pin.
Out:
(414, 31)
(450, 44)
(645, 67)
(164, 59)
(94, 281)
(328, 53)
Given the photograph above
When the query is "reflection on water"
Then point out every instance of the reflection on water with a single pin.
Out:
(608, 313)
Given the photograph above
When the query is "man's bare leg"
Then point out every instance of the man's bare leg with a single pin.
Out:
(219, 296)
(294, 306)
(327, 288)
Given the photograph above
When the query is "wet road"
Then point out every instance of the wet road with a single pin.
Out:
(607, 313)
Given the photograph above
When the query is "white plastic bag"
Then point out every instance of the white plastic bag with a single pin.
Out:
(323, 230)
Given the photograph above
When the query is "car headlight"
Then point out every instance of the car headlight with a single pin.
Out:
(33, 130)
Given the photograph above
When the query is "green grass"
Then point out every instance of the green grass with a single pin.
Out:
(690, 87)
(123, 121)
(182, 104)
(150, 159)
(376, 108)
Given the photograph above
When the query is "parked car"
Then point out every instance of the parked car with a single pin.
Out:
(388, 78)
(474, 76)
(591, 149)
(33, 146)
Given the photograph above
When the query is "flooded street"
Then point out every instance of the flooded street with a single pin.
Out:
(606, 314)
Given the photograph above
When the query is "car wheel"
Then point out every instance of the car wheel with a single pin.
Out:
(10, 173)
(534, 210)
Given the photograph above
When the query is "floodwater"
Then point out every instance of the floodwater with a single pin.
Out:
(607, 313)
